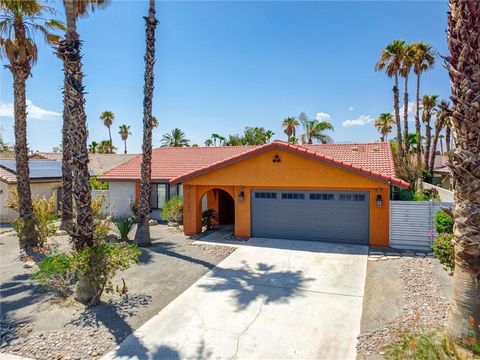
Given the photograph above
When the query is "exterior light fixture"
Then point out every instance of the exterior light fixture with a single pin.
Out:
(379, 197)
(241, 195)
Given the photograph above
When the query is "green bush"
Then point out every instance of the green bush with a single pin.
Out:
(173, 210)
(443, 222)
(444, 251)
(422, 346)
(96, 184)
(427, 195)
(55, 273)
(101, 228)
(123, 227)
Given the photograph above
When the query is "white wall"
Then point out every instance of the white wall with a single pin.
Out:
(120, 194)
(40, 190)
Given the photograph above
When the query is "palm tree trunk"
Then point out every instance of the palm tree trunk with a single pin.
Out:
(125, 146)
(448, 140)
(405, 117)
(67, 180)
(110, 138)
(396, 101)
(418, 126)
(438, 128)
(142, 236)
(20, 74)
(464, 69)
(428, 141)
(441, 146)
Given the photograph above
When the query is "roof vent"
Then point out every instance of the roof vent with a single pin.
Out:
(354, 148)
(376, 149)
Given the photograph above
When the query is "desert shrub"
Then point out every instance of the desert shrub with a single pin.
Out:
(99, 263)
(123, 226)
(426, 195)
(101, 228)
(444, 250)
(96, 184)
(443, 222)
(44, 214)
(208, 216)
(173, 210)
(422, 346)
(134, 208)
(97, 204)
(55, 273)
(407, 167)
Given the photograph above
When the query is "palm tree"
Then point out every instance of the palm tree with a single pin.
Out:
(289, 125)
(142, 235)
(448, 135)
(268, 135)
(441, 137)
(154, 122)
(429, 104)
(124, 131)
(107, 118)
(313, 130)
(216, 137)
(391, 60)
(442, 115)
(423, 60)
(384, 124)
(19, 21)
(463, 66)
(208, 142)
(93, 147)
(407, 62)
(175, 139)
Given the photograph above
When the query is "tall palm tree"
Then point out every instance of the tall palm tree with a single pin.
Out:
(142, 235)
(289, 125)
(407, 62)
(124, 131)
(464, 69)
(423, 60)
(218, 137)
(19, 21)
(448, 135)
(384, 124)
(107, 118)
(391, 60)
(208, 142)
(429, 104)
(314, 131)
(154, 122)
(175, 139)
(76, 134)
(442, 115)
(93, 147)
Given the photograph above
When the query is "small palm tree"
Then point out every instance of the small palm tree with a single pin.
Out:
(216, 137)
(154, 122)
(19, 22)
(429, 105)
(442, 114)
(391, 61)
(105, 147)
(289, 125)
(384, 125)
(208, 142)
(92, 147)
(313, 130)
(176, 138)
(107, 118)
(124, 131)
(423, 60)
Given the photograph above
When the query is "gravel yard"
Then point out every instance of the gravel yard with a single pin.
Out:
(403, 291)
(36, 324)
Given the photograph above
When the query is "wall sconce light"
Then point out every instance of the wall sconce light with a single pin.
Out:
(241, 196)
(379, 198)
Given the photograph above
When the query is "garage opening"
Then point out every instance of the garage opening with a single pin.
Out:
(222, 203)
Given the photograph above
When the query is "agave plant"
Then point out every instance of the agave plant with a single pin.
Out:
(123, 227)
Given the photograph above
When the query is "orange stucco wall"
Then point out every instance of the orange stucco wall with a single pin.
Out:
(292, 172)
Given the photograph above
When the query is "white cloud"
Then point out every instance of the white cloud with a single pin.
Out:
(350, 108)
(321, 116)
(411, 111)
(34, 111)
(362, 120)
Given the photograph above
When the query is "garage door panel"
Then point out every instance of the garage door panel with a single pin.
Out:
(341, 216)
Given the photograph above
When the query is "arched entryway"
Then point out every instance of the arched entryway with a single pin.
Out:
(222, 203)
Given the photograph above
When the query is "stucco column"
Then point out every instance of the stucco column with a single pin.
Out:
(192, 210)
(242, 212)
(380, 218)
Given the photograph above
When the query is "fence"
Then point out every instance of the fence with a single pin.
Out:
(411, 224)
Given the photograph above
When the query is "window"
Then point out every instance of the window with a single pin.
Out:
(293, 196)
(321, 196)
(159, 196)
(265, 195)
(352, 197)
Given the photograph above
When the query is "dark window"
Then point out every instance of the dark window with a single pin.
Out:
(321, 196)
(293, 196)
(265, 195)
(159, 196)
(352, 197)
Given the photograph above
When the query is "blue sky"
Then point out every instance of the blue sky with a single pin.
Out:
(225, 65)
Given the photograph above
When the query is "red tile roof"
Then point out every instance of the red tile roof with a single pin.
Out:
(177, 164)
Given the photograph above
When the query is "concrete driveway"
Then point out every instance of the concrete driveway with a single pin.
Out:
(270, 299)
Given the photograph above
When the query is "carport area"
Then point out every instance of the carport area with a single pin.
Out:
(270, 299)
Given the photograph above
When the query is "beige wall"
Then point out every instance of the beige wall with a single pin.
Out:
(39, 189)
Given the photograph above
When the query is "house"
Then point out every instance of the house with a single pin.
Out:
(45, 180)
(331, 192)
(441, 173)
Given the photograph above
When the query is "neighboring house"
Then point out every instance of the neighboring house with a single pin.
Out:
(331, 192)
(98, 163)
(45, 180)
(441, 173)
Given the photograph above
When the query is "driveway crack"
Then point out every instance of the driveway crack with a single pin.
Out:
(246, 329)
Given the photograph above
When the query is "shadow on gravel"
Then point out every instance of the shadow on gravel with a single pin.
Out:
(248, 284)
(112, 315)
(19, 292)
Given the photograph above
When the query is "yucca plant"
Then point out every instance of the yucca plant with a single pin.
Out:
(123, 226)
